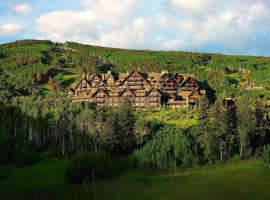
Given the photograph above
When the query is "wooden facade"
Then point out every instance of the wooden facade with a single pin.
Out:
(143, 90)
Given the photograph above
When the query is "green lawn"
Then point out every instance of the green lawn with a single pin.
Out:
(69, 76)
(178, 117)
(245, 180)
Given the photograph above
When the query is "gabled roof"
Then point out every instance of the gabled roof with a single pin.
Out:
(127, 90)
(171, 78)
(83, 79)
(95, 75)
(187, 78)
(135, 71)
(70, 90)
(153, 90)
(99, 90)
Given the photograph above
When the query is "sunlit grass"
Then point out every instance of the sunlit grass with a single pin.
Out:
(179, 117)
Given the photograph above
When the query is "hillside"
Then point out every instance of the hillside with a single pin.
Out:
(53, 148)
(25, 66)
(238, 180)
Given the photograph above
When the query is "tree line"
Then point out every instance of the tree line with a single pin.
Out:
(224, 131)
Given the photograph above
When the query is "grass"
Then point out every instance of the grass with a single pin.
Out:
(245, 180)
(48, 172)
(232, 78)
(178, 117)
(69, 76)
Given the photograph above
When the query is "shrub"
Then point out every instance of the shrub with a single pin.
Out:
(171, 148)
(26, 157)
(90, 164)
(266, 154)
(122, 164)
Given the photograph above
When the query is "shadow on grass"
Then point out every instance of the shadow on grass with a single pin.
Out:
(68, 82)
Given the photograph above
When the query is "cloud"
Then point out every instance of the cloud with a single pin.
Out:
(23, 9)
(69, 25)
(10, 29)
(196, 7)
(179, 24)
(113, 10)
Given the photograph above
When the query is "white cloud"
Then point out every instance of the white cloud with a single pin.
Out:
(181, 24)
(10, 29)
(196, 7)
(113, 10)
(23, 9)
(68, 25)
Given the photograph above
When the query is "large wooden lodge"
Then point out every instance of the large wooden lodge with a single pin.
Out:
(143, 90)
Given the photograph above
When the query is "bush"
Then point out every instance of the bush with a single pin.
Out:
(122, 165)
(266, 154)
(26, 157)
(96, 166)
(171, 148)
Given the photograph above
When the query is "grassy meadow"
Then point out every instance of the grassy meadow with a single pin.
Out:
(245, 180)
(178, 117)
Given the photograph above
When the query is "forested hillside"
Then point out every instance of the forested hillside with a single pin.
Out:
(38, 119)
(38, 66)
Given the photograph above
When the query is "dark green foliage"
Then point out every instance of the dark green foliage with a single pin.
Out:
(26, 156)
(118, 131)
(6, 149)
(266, 155)
(246, 124)
(93, 165)
(32, 117)
(239, 128)
(123, 164)
(170, 148)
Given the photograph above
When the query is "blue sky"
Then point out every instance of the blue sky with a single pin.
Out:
(222, 26)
